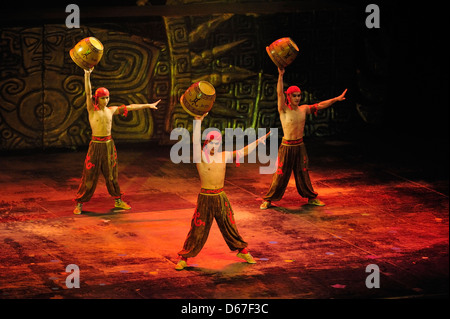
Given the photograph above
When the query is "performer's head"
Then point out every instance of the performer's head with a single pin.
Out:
(213, 142)
(101, 98)
(294, 95)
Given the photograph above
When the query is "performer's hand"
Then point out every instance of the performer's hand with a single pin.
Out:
(280, 71)
(263, 139)
(342, 96)
(153, 105)
(89, 71)
(200, 118)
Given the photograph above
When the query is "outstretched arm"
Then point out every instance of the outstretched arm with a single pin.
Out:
(134, 107)
(250, 147)
(327, 103)
(88, 89)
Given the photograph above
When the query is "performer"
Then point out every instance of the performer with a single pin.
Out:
(292, 154)
(102, 156)
(212, 202)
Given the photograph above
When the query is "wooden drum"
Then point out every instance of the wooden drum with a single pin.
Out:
(198, 98)
(282, 52)
(87, 53)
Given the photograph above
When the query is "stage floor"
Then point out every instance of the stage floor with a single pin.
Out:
(382, 209)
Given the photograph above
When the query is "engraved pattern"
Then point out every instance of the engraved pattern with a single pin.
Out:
(245, 77)
(42, 92)
(42, 99)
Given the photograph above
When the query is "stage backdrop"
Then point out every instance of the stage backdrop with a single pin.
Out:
(42, 99)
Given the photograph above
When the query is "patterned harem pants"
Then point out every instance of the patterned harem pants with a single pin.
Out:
(211, 204)
(101, 158)
(292, 157)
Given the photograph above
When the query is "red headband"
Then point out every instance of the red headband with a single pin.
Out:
(100, 92)
(290, 90)
(214, 135)
(293, 89)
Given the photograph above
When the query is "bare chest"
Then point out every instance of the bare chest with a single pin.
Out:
(100, 121)
(212, 172)
(293, 118)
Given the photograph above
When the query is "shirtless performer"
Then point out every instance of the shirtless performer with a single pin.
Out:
(212, 202)
(292, 154)
(102, 156)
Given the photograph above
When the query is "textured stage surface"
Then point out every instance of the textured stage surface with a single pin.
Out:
(386, 205)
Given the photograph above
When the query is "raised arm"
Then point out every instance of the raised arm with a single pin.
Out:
(280, 91)
(196, 138)
(88, 89)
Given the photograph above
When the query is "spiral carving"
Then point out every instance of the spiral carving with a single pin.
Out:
(43, 104)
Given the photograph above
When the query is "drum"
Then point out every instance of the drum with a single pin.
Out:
(282, 52)
(198, 98)
(87, 53)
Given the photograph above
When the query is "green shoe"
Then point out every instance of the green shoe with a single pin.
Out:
(265, 204)
(247, 257)
(181, 265)
(78, 209)
(316, 202)
(118, 203)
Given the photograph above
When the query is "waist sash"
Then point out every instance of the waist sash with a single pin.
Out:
(206, 191)
(292, 142)
(101, 139)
